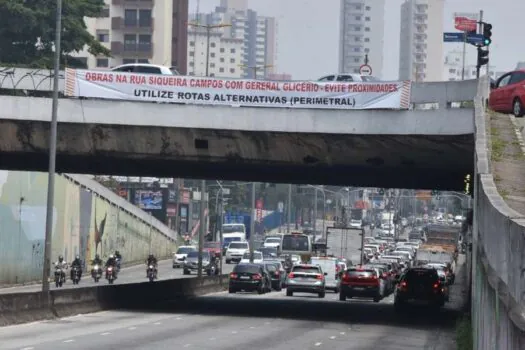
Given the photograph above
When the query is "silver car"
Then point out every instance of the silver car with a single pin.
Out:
(306, 279)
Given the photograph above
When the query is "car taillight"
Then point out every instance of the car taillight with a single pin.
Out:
(291, 275)
(319, 277)
(403, 285)
(256, 277)
(385, 274)
(436, 285)
(277, 273)
(346, 277)
(233, 275)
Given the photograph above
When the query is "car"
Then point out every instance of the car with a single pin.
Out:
(146, 68)
(507, 94)
(272, 242)
(277, 274)
(248, 278)
(348, 77)
(305, 278)
(268, 253)
(257, 258)
(329, 265)
(180, 255)
(362, 282)
(235, 251)
(420, 285)
(191, 264)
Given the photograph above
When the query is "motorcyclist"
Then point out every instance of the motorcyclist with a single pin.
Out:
(76, 263)
(152, 260)
(61, 264)
(97, 260)
(118, 258)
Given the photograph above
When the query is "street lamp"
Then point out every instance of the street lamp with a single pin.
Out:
(208, 28)
(256, 68)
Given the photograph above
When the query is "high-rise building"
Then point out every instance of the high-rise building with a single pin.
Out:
(421, 40)
(453, 68)
(258, 35)
(145, 31)
(361, 33)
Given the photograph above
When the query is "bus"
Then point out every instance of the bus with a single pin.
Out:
(297, 243)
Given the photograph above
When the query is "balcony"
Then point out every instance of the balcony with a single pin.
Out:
(119, 23)
(137, 3)
(135, 50)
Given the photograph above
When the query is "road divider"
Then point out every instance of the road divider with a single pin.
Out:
(29, 307)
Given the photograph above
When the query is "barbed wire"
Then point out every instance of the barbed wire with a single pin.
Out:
(26, 78)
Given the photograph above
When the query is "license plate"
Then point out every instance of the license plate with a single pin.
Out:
(245, 277)
(359, 288)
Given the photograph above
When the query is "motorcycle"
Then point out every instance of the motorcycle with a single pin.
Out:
(76, 274)
(110, 274)
(60, 276)
(151, 273)
(96, 273)
(214, 267)
(117, 264)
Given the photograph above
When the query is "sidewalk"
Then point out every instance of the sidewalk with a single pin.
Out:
(508, 158)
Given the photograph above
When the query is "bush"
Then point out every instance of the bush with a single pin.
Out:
(464, 339)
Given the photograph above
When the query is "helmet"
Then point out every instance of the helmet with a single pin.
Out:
(60, 258)
(111, 256)
(151, 256)
(97, 256)
(77, 257)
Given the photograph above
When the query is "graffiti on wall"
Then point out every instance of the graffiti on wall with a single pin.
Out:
(83, 223)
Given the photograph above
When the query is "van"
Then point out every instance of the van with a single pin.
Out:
(329, 266)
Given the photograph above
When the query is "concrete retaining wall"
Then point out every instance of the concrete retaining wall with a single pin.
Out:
(88, 219)
(498, 274)
(30, 307)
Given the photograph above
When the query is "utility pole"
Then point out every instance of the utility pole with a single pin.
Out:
(208, 28)
(202, 227)
(52, 153)
(256, 68)
(252, 223)
(289, 208)
(315, 214)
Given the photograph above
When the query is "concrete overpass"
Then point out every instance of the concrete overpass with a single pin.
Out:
(418, 148)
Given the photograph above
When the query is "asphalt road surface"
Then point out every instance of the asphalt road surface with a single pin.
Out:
(244, 321)
(133, 274)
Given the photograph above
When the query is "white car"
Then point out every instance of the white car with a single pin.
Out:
(347, 77)
(181, 254)
(356, 223)
(257, 258)
(146, 68)
(235, 251)
(272, 242)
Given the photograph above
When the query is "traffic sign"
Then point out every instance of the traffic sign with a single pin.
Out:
(365, 69)
(475, 39)
(280, 206)
(458, 37)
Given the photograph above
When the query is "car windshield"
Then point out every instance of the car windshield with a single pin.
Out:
(268, 252)
(306, 269)
(421, 275)
(271, 267)
(238, 245)
(256, 255)
(232, 228)
(211, 245)
(361, 273)
(272, 240)
(194, 254)
(246, 268)
(185, 250)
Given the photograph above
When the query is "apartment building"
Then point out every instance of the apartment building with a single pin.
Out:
(421, 40)
(361, 33)
(257, 33)
(144, 31)
(225, 55)
(453, 68)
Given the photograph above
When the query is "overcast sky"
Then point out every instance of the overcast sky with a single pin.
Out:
(309, 29)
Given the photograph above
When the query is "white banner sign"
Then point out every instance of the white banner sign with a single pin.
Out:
(237, 92)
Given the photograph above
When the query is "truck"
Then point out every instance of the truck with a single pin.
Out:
(357, 216)
(344, 243)
(441, 245)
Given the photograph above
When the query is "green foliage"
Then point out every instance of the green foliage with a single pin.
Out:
(27, 31)
(464, 340)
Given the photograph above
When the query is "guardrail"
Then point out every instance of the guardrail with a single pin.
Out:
(498, 300)
(443, 93)
(29, 307)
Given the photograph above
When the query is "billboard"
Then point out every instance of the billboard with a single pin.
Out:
(466, 22)
(148, 200)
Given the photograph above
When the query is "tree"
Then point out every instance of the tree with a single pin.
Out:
(27, 31)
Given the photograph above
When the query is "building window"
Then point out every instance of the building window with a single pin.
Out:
(357, 28)
(212, 54)
(212, 65)
(221, 59)
(212, 75)
(128, 60)
(105, 12)
(143, 60)
(358, 7)
(192, 53)
(192, 43)
(213, 45)
(130, 42)
(356, 70)
(367, 29)
(356, 60)
(222, 50)
(221, 70)
(357, 18)
(232, 60)
(145, 18)
(103, 36)
(102, 62)
(367, 50)
(368, 8)
(232, 70)
(357, 49)
(357, 39)
(145, 42)
(130, 18)
(192, 64)
(232, 50)
(367, 40)
(367, 19)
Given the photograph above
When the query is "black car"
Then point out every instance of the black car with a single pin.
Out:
(192, 263)
(277, 274)
(249, 278)
(419, 285)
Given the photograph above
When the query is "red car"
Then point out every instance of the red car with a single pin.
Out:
(507, 94)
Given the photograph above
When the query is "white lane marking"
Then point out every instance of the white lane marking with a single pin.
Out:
(132, 328)
(178, 318)
(187, 345)
(342, 333)
(318, 344)
(213, 338)
(234, 332)
(28, 348)
(157, 323)
(332, 337)
(105, 333)
(69, 341)
(252, 327)
(267, 322)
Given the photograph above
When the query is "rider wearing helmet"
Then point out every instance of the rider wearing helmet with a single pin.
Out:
(111, 261)
(76, 263)
(97, 260)
(61, 264)
(152, 260)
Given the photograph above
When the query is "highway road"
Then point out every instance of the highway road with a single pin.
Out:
(244, 321)
(131, 274)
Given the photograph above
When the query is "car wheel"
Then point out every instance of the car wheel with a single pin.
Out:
(336, 290)
(231, 290)
(186, 272)
(517, 108)
(260, 290)
(289, 293)
(342, 296)
(228, 261)
(377, 299)
(279, 288)
(321, 295)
